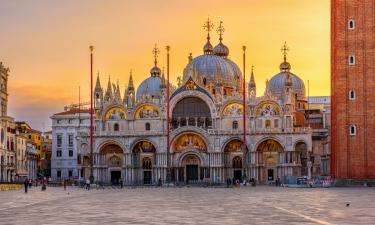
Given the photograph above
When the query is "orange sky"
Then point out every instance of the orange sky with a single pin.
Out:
(45, 43)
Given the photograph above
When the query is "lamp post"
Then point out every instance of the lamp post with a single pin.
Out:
(91, 118)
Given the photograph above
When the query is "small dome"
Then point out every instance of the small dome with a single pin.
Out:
(221, 50)
(150, 87)
(155, 71)
(207, 48)
(277, 83)
(285, 66)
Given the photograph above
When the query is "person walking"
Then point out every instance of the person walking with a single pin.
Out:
(64, 184)
(26, 184)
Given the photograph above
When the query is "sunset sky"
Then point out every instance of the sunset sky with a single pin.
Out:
(45, 44)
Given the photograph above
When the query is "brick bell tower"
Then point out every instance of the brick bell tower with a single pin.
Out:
(353, 89)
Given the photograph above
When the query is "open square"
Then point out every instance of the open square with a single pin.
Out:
(189, 205)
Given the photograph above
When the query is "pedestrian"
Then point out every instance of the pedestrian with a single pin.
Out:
(160, 183)
(30, 183)
(121, 184)
(64, 185)
(88, 184)
(44, 186)
(26, 184)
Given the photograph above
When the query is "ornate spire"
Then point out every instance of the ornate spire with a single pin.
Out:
(131, 84)
(109, 93)
(117, 92)
(208, 26)
(97, 85)
(252, 80)
(285, 66)
(220, 30)
(163, 83)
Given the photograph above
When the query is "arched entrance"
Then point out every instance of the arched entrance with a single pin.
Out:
(268, 159)
(191, 164)
(301, 150)
(234, 154)
(143, 160)
(191, 111)
(188, 148)
(110, 161)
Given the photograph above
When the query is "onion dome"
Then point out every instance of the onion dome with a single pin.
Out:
(155, 71)
(221, 50)
(207, 48)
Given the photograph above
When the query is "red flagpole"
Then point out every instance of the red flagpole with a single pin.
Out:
(168, 122)
(244, 100)
(91, 117)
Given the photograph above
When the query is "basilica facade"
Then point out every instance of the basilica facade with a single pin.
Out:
(206, 126)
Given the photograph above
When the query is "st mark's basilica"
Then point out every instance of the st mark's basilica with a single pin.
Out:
(206, 131)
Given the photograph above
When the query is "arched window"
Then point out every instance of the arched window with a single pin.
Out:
(148, 126)
(146, 163)
(352, 130)
(351, 60)
(235, 125)
(351, 24)
(237, 162)
(116, 127)
(268, 123)
(351, 95)
(204, 81)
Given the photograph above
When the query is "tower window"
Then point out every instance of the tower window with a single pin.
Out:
(351, 24)
(148, 126)
(351, 95)
(235, 125)
(116, 127)
(352, 130)
(351, 60)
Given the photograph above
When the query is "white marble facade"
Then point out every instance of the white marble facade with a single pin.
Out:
(206, 126)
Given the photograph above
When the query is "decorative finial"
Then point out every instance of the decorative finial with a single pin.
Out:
(244, 48)
(285, 50)
(156, 52)
(190, 57)
(208, 26)
(252, 68)
(91, 48)
(167, 48)
(220, 30)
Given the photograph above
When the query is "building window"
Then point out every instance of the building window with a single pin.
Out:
(58, 173)
(351, 24)
(148, 126)
(70, 121)
(70, 153)
(351, 60)
(235, 125)
(70, 140)
(268, 123)
(58, 153)
(352, 130)
(351, 95)
(59, 140)
(70, 173)
(116, 127)
(276, 123)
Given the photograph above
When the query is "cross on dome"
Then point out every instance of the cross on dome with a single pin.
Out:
(220, 30)
(156, 52)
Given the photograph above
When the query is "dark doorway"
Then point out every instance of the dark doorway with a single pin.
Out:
(191, 172)
(147, 177)
(115, 177)
(237, 174)
(270, 174)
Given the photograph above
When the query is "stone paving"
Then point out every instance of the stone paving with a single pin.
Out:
(246, 205)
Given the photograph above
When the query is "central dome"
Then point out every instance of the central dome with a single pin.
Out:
(213, 68)
(150, 87)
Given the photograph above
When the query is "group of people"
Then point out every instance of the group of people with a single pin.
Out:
(237, 182)
(28, 183)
